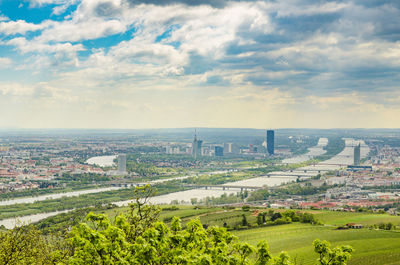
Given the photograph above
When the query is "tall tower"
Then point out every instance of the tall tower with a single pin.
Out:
(122, 163)
(218, 151)
(196, 146)
(270, 142)
(357, 155)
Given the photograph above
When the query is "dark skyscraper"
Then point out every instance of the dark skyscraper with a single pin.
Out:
(357, 155)
(270, 142)
(219, 151)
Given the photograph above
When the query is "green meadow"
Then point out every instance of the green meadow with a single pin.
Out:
(342, 218)
(371, 246)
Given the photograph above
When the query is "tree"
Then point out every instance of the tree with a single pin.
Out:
(244, 220)
(246, 208)
(25, 245)
(282, 259)
(263, 254)
(193, 201)
(142, 215)
(275, 216)
(260, 218)
(336, 256)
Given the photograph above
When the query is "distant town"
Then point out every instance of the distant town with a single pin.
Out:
(317, 171)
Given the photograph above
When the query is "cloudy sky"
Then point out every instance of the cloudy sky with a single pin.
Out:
(199, 63)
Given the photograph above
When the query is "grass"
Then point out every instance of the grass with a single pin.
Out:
(371, 246)
(341, 218)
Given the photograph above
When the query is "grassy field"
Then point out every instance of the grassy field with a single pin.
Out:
(341, 218)
(371, 246)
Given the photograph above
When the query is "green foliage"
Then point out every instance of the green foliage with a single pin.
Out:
(100, 242)
(291, 189)
(261, 218)
(25, 245)
(223, 199)
(328, 256)
(246, 208)
(282, 259)
(244, 220)
(142, 169)
(385, 226)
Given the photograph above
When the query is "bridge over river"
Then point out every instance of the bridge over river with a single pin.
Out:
(223, 187)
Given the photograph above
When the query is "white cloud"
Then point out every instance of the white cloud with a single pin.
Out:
(20, 27)
(5, 62)
(26, 46)
(234, 66)
(297, 8)
(38, 3)
(92, 28)
(3, 18)
(16, 89)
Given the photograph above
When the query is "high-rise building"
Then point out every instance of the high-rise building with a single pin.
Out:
(270, 142)
(122, 163)
(235, 149)
(227, 147)
(199, 147)
(168, 149)
(357, 155)
(196, 146)
(219, 151)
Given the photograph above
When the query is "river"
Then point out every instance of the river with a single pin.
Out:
(312, 152)
(55, 196)
(181, 196)
(103, 161)
(345, 157)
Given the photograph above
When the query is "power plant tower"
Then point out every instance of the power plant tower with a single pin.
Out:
(357, 155)
(270, 142)
(122, 163)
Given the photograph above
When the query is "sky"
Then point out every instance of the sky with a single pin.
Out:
(199, 63)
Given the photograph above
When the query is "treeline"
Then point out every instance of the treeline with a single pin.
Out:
(82, 178)
(292, 189)
(217, 179)
(270, 218)
(225, 198)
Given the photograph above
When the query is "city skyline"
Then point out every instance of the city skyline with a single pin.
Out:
(133, 64)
